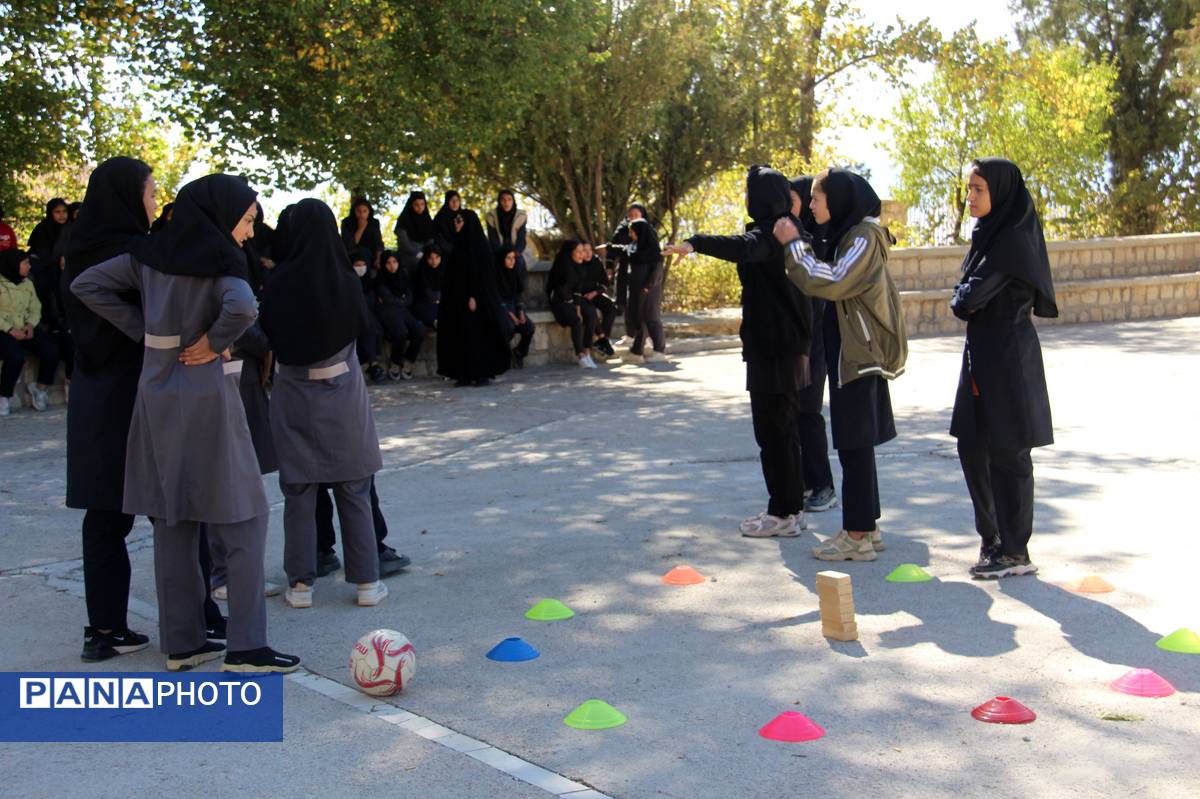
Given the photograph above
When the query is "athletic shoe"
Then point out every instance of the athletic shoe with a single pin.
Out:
(986, 553)
(327, 563)
(1004, 566)
(39, 398)
(820, 500)
(518, 361)
(216, 631)
(184, 661)
(5, 406)
(221, 592)
(376, 373)
(605, 346)
(99, 646)
(391, 562)
(299, 596)
(371, 594)
(767, 526)
(633, 357)
(843, 547)
(263, 660)
(877, 540)
(406, 372)
(271, 589)
(394, 372)
(654, 356)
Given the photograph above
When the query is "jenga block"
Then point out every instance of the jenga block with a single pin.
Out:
(844, 632)
(832, 578)
(836, 615)
(834, 589)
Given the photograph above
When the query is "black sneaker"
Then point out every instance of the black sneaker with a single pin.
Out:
(216, 630)
(518, 360)
(184, 661)
(605, 346)
(391, 561)
(376, 374)
(263, 660)
(1004, 566)
(327, 563)
(98, 646)
(820, 499)
(986, 553)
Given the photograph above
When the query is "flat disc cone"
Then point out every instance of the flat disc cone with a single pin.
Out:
(1003, 710)
(595, 714)
(512, 650)
(1092, 584)
(683, 575)
(1142, 682)
(908, 573)
(1182, 640)
(791, 727)
(549, 610)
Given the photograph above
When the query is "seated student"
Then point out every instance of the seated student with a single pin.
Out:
(864, 324)
(414, 229)
(188, 419)
(393, 309)
(321, 420)
(370, 343)
(427, 286)
(472, 347)
(8, 237)
(506, 225)
(20, 313)
(360, 231)
(511, 280)
(596, 285)
(390, 561)
(48, 283)
(563, 285)
(46, 233)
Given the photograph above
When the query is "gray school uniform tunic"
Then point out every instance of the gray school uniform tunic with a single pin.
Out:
(190, 457)
(322, 423)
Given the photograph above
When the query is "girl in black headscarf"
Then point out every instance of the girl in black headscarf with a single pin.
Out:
(393, 308)
(46, 233)
(645, 293)
(564, 285)
(865, 326)
(427, 285)
(471, 344)
(313, 311)
(511, 280)
(448, 221)
(776, 324)
(1002, 408)
(819, 493)
(360, 231)
(506, 224)
(414, 228)
(116, 213)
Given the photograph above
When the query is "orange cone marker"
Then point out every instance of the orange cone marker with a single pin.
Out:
(1092, 584)
(683, 575)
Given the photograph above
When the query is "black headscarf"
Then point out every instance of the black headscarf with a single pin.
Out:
(199, 241)
(419, 227)
(767, 195)
(510, 282)
(72, 210)
(428, 278)
(281, 238)
(648, 250)
(112, 222)
(396, 282)
(10, 265)
(45, 234)
(1010, 236)
(164, 216)
(506, 218)
(851, 200)
(443, 222)
(642, 208)
(313, 305)
(803, 186)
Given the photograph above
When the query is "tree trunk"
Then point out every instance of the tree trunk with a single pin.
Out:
(806, 122)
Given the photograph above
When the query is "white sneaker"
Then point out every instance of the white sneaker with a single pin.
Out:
(299, 596)
(407, 372)
(370, 594)
(271, 589)
(591, 362)
(767, 526)
(654, 356)
(221, 593)
(583, 362)
(38, 397)
(5, 406)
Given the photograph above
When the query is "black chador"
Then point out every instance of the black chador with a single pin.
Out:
(1002, 408)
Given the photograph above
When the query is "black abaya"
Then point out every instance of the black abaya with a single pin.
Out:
(471, 345)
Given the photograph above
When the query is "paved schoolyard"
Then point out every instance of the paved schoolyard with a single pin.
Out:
(587, 487)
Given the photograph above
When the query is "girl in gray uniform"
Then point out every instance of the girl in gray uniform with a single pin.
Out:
(313, 311)
(190, 458)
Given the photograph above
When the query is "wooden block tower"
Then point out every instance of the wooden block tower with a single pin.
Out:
(837, 606)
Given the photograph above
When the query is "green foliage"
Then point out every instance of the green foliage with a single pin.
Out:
(1153, 131)
(1045, 109)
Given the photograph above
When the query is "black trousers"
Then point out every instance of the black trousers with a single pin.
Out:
(778, 436)
(582, 324)
(404, 332)
(646, 307)
(106, 568)
(12, 352)
(814, 451)
(325, 535)
(860, 489)
(606, 309)
(1000, 482)
(526, 330)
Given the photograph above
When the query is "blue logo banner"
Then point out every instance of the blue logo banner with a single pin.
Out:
(140, 706)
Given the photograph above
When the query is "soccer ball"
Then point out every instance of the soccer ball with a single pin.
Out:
(383, 662)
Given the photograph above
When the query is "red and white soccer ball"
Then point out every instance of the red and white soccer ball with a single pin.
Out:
(383, 663)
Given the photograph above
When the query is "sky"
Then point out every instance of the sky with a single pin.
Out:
(993, 20)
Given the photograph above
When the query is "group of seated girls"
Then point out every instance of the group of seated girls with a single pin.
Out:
(580, 289)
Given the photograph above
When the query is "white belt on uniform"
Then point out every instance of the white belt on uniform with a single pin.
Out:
(328, 372)
(232, 367)
(162, 342)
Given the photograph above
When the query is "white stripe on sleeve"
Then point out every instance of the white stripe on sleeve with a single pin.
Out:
(833, 272)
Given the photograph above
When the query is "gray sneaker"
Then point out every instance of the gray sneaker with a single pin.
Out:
(5, 406)
(39, 398)
(821, 499)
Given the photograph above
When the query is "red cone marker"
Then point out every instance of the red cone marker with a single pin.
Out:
(792, 727)
(1003, 710)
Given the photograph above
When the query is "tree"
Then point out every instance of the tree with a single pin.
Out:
(1152, 125)
(1045, 109)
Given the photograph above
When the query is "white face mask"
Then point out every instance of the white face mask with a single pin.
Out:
(360, 270)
